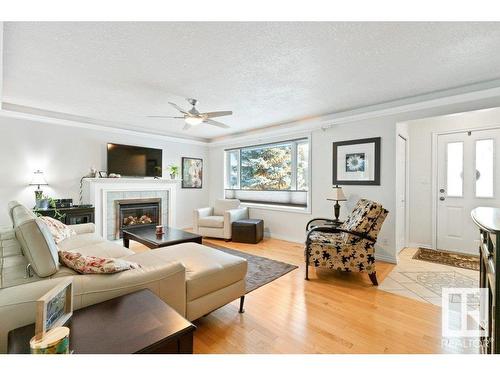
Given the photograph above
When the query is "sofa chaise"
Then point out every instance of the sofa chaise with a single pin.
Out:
(192, 278)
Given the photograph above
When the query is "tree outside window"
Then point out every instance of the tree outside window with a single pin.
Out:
(276, 167)
(267, 168)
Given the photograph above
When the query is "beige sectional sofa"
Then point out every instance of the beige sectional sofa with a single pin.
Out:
(192, 278)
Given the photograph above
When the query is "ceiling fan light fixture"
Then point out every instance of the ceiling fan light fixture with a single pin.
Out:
(193, 117)
(193, 120)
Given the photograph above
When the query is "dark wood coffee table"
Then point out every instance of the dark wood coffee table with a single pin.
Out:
(138, 322)
(148, 237)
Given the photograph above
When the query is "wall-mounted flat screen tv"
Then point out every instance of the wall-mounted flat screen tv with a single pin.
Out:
(134, 161)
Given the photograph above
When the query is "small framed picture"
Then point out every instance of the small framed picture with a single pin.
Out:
(103, 174)
(192, 173)
(357, 162)
(54, 308)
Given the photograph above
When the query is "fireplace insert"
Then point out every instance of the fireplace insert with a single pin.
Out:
(137, 213)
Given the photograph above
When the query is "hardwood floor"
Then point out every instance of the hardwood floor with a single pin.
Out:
(333, 312)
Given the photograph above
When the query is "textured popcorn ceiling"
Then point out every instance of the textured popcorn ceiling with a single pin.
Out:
(267, 73)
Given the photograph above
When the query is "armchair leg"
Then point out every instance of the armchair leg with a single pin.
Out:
(373, 278)
(242, 302)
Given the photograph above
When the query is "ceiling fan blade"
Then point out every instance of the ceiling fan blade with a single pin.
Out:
(186, 126)
(216, 123)
(177, 107)
(216, 114)
(166, 116)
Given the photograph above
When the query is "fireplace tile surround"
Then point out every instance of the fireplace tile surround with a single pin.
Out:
(104, 192)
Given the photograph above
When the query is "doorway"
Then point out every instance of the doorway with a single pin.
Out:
(467, 170)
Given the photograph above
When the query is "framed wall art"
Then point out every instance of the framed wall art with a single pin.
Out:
(357, 162)
(192, 173)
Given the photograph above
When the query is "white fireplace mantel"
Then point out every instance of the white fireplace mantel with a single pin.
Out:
(95, 190)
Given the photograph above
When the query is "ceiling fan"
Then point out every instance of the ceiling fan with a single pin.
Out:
(193, 117)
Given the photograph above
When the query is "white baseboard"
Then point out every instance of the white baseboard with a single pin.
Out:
(386, 258)
(424, 245)
(283, 237)
(380, 257)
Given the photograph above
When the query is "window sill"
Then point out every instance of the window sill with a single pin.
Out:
(274, 207)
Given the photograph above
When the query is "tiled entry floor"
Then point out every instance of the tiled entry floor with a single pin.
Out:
(423, 281)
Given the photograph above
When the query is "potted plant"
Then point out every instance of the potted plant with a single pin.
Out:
(173, 170)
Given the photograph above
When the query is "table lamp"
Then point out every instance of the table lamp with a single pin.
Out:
(337, 196)
(38, 180)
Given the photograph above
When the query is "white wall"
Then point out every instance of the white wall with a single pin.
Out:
(290, 225)
(421, 164)
(65, 154)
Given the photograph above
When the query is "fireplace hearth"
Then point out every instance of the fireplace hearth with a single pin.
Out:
(137, 213)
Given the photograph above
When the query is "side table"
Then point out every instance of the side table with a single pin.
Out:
(138, 322)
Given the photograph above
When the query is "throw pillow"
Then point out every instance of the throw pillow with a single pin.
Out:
(59, 231)
(87, 264)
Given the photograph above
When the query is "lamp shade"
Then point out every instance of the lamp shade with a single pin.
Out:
(38, 178)
(337, 194)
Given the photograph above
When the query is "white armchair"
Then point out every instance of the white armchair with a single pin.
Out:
(217, 221)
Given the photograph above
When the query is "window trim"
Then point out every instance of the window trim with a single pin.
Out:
(306, 138)
(227, 168)
(276, 207)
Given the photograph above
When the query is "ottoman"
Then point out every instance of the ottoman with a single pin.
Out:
(213, 278)
(248, 230)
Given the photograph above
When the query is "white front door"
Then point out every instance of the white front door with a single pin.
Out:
(468, 171)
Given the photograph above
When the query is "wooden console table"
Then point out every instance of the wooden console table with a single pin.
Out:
(488, 221)
(138, 322)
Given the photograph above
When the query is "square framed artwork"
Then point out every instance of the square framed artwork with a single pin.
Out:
(192, 173)
(357, 162)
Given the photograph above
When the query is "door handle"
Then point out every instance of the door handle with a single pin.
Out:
(441, 198)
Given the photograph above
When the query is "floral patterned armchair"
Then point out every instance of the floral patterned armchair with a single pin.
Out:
(350, 246)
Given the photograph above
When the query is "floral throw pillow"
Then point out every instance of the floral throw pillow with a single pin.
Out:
(87, 264)
(59, 231)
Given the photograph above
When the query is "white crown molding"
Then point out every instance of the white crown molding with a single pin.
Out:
(470, 93)
(9, 110)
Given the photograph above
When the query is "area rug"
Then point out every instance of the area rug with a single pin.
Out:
(261, 271)
(449, 258)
